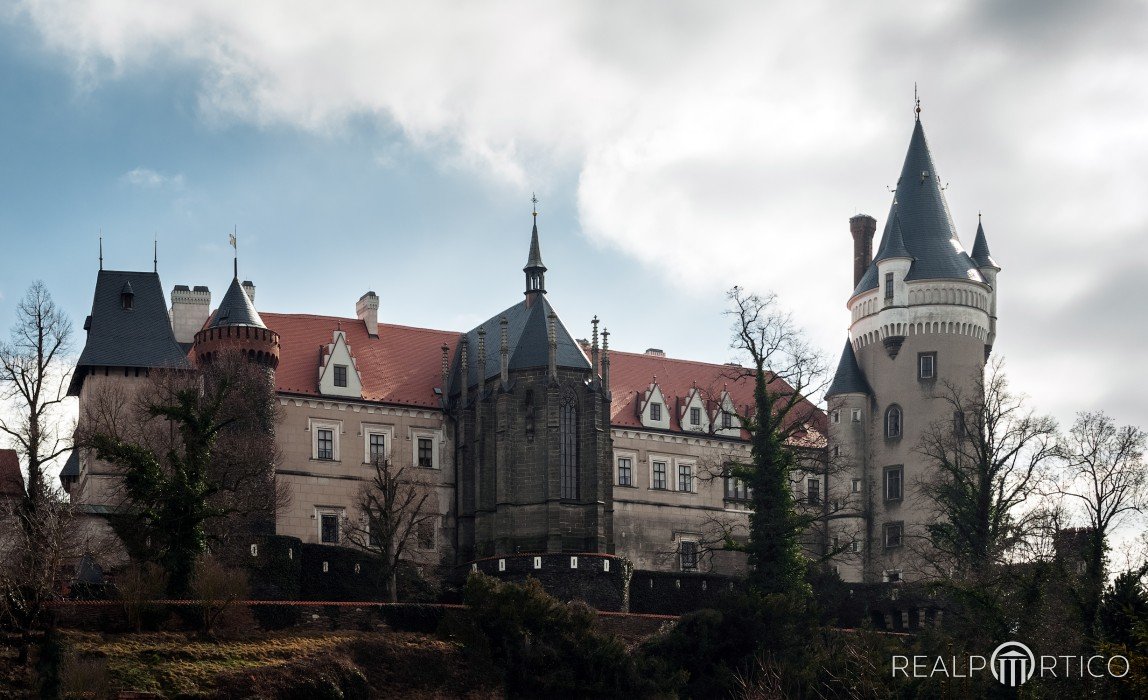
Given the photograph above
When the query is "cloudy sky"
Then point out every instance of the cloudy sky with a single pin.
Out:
(677, 149)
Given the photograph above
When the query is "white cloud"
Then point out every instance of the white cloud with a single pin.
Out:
(717, 142)
(149, 179)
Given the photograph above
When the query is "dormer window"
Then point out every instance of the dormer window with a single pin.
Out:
(127, 297)
(726, 420)
(655, 412)
(340, 375)
(695, 416)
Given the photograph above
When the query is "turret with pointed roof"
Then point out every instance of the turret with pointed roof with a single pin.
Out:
(236, 326)
(848, 379)
(981, 255)
(535, 270)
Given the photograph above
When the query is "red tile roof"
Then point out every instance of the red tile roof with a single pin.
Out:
(402, 366)
(11, 479)
(632, 373)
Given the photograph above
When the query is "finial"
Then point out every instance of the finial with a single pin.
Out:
(534, 201)
(154, 253)
(978, 217)
(235, 244)
(917, 100)
(594, 323)
(101, 248)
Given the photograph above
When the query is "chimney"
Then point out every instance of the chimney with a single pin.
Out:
(863, 227)
(656, 352)
(367, 309)
(249, 287)
(189, 311)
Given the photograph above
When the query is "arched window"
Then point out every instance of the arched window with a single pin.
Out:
(893, 421)
(568, 446)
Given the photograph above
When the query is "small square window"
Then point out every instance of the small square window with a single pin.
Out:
(854, 546)
(625, 471)
(340, 375)
(686, 477)
(325, 444)
(655, 412)
(894, 483)
(695, 416)
(689, 555)
(426, 452)
(892, 575)
(926, 365)
(659, 480)
(894, 535)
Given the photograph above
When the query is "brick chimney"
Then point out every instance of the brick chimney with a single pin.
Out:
(367, 309)
(863, 227)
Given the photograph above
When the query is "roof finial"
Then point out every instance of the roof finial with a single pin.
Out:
(155, 252)
(917, 100)
(235, 244)
(534, 201)
(101, 248)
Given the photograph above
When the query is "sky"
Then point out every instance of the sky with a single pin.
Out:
(676, 148)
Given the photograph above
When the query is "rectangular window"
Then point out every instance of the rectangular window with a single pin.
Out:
(695, 416)
(625, 471)
(813, 491)
(329, 528)
(377, 447)
(856, 486)
(340, 375)
(726, 420)
(888, 286)
(655, 412)
(659, 481)
(689, 555)
(854, 546)
(686, 477)
(892, 575)
(926, 365)
(426, 535)
(894, 483)
(856, 415)
(426, 452)
(837, 450)
(835, 416)
(894, 534)
(325, 444)
(736, 490)
(373, 538)
(959, 427)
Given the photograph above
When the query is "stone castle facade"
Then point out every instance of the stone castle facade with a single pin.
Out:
(535, 443)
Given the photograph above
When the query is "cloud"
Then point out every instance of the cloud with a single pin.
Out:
(148, 179)
(715, 143)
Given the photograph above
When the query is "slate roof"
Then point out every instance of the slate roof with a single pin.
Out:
(926, 227)
(528, 340)
(632, 373)
(402, 365)
(848, 379)
(236, 309)
(534, 259)
(136, 337)
(11, 479)
(72, 466)
(981, 255)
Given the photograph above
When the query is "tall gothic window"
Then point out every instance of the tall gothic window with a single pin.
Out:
(568, 446)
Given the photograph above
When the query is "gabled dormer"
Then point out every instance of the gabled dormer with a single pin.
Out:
(693, 416)
(652, 409)
(338, 375)
(725, 420)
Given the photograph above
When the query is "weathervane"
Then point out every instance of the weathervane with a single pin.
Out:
(917, 100)
(534, 201)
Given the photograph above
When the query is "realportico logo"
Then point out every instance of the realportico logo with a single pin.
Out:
(1012, 664)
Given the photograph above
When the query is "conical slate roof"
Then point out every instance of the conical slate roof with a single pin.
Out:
(534, 260)
(893, 244)
(981, 255)
(528, 341)
(926, 228)
(236, 309)
(848, 378)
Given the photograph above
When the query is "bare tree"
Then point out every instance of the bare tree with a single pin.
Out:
(394, 509)
(785, 369)
(1104, 474)
(33, 385)
(989, 459)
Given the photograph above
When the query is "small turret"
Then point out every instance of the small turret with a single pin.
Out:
(988, 269)
(236, 326)
(535, 270)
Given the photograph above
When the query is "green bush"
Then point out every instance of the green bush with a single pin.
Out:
(541, 646)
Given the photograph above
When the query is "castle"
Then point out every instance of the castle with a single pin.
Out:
(534, 443)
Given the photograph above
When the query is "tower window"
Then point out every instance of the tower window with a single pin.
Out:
(695, 416)
(655, 412)
(340, 375)
(568, 446)
(856, 485)
(813, 491)
(888, 286)
(835, 416)
(894, 535)
(894, 483)
(893, 421)
(856, 415)
(926, 365)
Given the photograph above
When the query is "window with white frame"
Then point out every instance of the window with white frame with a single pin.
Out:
(329, 524)
(926, 365)
(376, 443)
(686, 477)
(425, 447)
(856, 415)
(736, 490)
(626, 471)
(856, 486)
(325, 439)
(340, 375)
(894, 483)
(894, 535)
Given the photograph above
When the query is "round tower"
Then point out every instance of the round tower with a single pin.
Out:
(236, 326)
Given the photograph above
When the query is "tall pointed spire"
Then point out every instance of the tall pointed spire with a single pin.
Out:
(981, 255)
(535, 270)
(848, 379)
